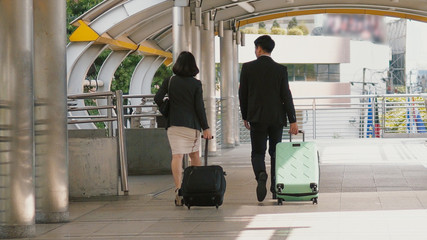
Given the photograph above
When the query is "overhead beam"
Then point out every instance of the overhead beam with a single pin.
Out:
(86, 34)
(335, 11)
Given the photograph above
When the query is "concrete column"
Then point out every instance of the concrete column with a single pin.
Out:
(227, 89)
(50, 111)
(195, 45)
(208, 75)
(181, 28)
(17, 204)
(236, 79)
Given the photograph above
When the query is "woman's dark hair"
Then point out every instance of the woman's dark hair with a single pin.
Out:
(185, 65)
(265, 42)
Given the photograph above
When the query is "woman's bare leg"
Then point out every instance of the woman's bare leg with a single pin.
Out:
(195, 159)
(176, 166)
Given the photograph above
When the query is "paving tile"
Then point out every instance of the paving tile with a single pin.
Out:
(358, 182)
(123, 228)
(176, 227)
(75, 230)
(390, 182)
(330, 189)
(400, 203)
(394, 189)
(359, 189)
(360, 201)
(360, 198)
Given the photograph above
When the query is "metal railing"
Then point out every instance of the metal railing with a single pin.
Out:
(321, 117)
(361, 116)
(75, 105)
(142, 115)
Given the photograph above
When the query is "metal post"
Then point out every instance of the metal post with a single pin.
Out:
(121, 139)
(314, 118)
(363, 82)
(373, 116)
(50, 111)
(110, 115)
(227, 89)
(235, 83)
(17, 200)
(181, 28)
(383, 120)
(195, 44)
(208, 75)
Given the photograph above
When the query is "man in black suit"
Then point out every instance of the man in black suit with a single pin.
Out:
(265, 102)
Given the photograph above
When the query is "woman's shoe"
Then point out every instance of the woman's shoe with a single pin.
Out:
(179, 201)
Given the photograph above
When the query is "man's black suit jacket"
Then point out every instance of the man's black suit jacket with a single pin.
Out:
(186, 102)
(264, 92)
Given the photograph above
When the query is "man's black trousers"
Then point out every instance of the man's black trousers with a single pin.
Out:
(260, 133)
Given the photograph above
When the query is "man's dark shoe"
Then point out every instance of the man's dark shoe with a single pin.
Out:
(261, 189)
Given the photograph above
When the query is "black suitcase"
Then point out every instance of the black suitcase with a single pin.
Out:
(203, 185)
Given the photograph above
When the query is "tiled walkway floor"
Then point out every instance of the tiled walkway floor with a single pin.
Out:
(370, 189)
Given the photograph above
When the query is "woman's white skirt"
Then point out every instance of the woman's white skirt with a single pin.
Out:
(183, 140)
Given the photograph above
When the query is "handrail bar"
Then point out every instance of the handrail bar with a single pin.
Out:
(136, 106)
(91, 120)
(142, 115)
(92, 116)
(121, 138)
(90, 95)
(139, 96)
(76, 109)
(360, 96)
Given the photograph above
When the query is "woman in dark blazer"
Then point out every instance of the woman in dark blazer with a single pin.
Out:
(187, 116)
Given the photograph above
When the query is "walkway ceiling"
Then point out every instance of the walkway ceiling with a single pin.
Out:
(146, 26)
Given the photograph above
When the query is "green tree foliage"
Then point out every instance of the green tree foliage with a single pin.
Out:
(278, 31)
(293, 23)
(162, 73)
(75, 8)
(303, 28)
(124, 73)
(395, 117)
(295, 31)
(262, 31)
(250, 30)
(261, 25)
(275, 25)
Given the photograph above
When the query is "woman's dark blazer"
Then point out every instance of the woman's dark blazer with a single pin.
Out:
(186, 102)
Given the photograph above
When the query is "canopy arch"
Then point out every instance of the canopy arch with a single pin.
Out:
(146, 27)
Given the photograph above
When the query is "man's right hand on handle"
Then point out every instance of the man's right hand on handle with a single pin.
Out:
(293, 129)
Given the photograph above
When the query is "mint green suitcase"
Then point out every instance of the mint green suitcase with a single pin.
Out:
(297, 171)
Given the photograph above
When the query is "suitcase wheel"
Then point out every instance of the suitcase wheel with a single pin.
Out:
(314, 200)
(279, 201)
(280, 187)
(313, 186)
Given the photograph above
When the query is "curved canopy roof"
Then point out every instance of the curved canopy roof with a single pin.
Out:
(146, 27)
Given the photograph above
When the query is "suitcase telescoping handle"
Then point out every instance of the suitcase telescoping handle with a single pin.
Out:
(300, 131)
(206, 151)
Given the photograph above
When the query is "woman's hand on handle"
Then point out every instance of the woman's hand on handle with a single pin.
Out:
(293, 129)
(207, 134)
